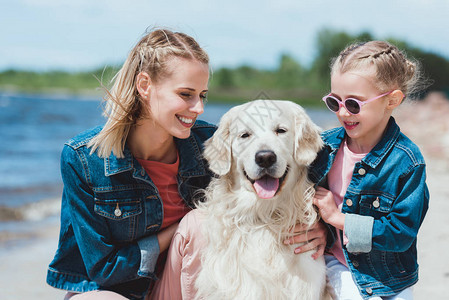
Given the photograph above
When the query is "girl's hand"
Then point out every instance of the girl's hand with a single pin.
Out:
(329, 211)
(165, 236)
(311, 238)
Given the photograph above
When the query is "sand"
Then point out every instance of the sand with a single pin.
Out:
(25, 256)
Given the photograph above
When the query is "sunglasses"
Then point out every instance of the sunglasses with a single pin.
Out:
(352, 105)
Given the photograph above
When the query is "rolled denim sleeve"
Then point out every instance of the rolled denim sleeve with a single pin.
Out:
(149, 252)
(359, 231)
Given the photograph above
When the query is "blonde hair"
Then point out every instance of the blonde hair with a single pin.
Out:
(392, 69)
(124, 106)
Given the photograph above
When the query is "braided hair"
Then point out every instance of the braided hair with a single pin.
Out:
(390, 66)
(124, 105)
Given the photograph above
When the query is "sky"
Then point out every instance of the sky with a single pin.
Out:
(81, 35)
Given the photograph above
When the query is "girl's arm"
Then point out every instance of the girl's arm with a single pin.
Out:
(329, 211)
(397, 230)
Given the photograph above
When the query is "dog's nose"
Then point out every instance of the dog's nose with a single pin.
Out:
(265, 158)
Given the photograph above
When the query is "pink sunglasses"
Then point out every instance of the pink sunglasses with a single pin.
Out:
(352, 105)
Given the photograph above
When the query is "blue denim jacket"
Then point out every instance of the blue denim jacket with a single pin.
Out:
(385, 204)
(111, 212)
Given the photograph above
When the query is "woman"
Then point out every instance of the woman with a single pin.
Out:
(115, 219)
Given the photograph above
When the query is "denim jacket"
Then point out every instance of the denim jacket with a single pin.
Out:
(384, 206)
(111, 212)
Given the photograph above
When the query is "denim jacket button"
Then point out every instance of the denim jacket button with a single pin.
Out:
(369, 291)
(348, 202)
(355, 264)
(362, 171)
(117, 211)
(376, 203)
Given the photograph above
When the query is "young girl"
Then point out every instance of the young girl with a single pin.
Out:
(371, 177)
(127, 184)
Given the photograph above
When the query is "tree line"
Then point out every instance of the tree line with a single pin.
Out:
(289, 80)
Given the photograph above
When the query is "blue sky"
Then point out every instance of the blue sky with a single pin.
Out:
(85, 34)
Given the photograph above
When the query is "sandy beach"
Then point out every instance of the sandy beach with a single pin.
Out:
(25, 255)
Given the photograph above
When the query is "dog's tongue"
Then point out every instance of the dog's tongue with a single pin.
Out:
(266, 187)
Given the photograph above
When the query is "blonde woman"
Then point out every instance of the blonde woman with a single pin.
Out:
(127, 184)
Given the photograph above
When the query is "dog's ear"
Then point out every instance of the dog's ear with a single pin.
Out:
(217, 149)
(307, 138)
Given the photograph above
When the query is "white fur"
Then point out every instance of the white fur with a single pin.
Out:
(245, 257)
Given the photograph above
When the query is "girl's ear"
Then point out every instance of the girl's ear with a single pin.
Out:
(395, 98)
(143, 84)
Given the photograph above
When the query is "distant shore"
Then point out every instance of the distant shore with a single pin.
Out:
(54, 93)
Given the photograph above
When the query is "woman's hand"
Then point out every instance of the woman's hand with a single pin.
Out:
(165, 236)
(329, 211)
(313, 238)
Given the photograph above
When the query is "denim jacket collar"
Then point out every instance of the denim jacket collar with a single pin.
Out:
(191, 163)
(114, 165)
(377, 154)
(191, 159)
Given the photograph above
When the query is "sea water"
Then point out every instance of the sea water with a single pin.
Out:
(33, 129)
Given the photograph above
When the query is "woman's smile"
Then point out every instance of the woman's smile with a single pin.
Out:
(186, 121)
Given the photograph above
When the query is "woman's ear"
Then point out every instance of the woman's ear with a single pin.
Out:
(395, 98)
(143, 84)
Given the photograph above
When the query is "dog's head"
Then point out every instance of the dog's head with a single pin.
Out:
(262, 141)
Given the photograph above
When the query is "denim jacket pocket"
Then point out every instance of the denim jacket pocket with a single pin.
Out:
(375, 204)
(121, 214)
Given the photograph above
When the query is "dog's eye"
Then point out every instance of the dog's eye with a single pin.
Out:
(245, 135)
(280, 130)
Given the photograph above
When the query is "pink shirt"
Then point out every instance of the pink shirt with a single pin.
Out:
(339, 177)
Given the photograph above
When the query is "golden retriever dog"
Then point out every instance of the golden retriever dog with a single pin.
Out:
(260, 153)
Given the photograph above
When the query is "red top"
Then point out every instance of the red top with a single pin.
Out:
(164, 177)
